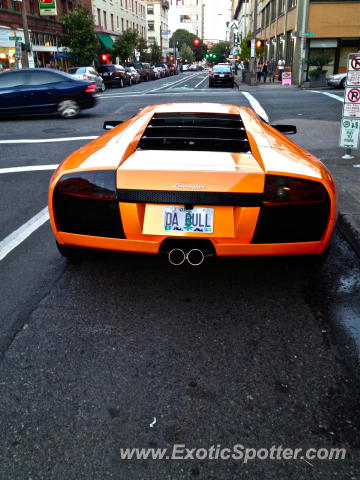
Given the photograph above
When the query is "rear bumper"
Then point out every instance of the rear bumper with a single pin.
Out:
(221, 81)
(223, 247)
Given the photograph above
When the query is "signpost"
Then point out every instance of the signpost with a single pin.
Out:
(350, 122)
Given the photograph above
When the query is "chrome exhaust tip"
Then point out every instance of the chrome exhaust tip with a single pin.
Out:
(195, 257)
(176, 256)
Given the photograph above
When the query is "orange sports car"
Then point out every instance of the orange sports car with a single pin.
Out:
(193, 180)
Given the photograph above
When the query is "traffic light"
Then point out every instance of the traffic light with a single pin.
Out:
(196, 42)
(259, 43)
(105, 57)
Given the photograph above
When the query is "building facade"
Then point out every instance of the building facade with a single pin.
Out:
(187, 15)
(297, 29)
(113, 17)
(157, 17)
(44, 31)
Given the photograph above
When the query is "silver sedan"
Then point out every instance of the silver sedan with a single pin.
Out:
(338, 80)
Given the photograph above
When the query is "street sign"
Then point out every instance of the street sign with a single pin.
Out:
(350, 123)
(352, 95)
(307, 34)
(349, 133)
(18, 50)
(252, 45)
(15, 38)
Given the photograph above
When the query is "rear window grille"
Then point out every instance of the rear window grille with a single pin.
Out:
(195, 131)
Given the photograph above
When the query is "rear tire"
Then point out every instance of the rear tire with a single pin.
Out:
(342, 83)
(121, 83)
(103, 88)
(68, 108)
(71, 253)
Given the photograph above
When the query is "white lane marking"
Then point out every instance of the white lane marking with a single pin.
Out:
(256, 106)
(328, 95)
(203, 80)
(34, 168)
(169, 93)
(22, 233)
(49, 140)
(173, 83)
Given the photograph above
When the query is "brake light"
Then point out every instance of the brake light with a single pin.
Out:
(289, 190)
(100, 185)
(90, 88)
(116, 74)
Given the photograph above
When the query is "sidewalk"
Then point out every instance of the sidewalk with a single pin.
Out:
(345, 172)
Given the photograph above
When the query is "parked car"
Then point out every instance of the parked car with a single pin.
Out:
(222, 75)
(156, 73)
(173, 69)
(44, 90)
(90, 74)
(338, 80)
(185, 67)
(133, 74)
(161, 70)
(113, 75)
(144, 69)
(288, 195)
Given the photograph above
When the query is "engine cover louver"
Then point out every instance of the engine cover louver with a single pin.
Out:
(195, 132)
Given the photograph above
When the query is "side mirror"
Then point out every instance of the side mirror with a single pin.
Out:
(286, 129)
(109, 124)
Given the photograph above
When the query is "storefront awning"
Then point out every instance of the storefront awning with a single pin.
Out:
(106, 42)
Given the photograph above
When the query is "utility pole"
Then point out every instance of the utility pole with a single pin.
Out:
(253, 59)
(25, 58)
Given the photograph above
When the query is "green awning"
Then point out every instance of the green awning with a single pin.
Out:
(106, 42)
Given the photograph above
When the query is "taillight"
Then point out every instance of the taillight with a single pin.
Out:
(116, 74)
(282, 190)
(100, 185)
(90, 88)
(86, 203)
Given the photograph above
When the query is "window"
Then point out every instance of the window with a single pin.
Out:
(122, 24)
(112, 21)
(44, 78)
(99, 16)
(273, 10)
(117, 21)
(150, 9)
(12, 79)
(281, 7)
(105, 20)
(151, 27)
(292, 4)
(127, 24)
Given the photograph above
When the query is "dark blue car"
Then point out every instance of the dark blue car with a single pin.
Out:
(44, 90)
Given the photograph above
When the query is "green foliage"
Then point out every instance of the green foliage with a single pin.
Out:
(155, 54)
(142, 48)
(244, 50)
(187, 54)
(221, 50)
(183, 37)
(80, 40)
(319, 60)
(125, 44)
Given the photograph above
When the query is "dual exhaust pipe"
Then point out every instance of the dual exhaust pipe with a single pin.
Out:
(194, 257)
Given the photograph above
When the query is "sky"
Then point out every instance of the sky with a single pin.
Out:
(217, 13)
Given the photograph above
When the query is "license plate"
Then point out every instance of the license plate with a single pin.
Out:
(222, 75)
(105, 74)
(197, 220)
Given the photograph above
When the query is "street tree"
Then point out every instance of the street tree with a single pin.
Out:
(187, 54)
(80, 41)
(181, 37)
(221, 50)
(155, 54)
(125, 44)
(245, 50)
(142, 48)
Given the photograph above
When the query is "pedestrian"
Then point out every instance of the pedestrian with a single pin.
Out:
(271, 69)
(258, 70)
(264, 71)
(281, 67)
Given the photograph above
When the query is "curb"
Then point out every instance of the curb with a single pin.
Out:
(349, 232)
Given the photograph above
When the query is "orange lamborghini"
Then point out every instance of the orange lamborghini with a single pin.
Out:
(193, 180)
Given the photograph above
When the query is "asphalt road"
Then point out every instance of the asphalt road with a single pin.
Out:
(252, 352)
